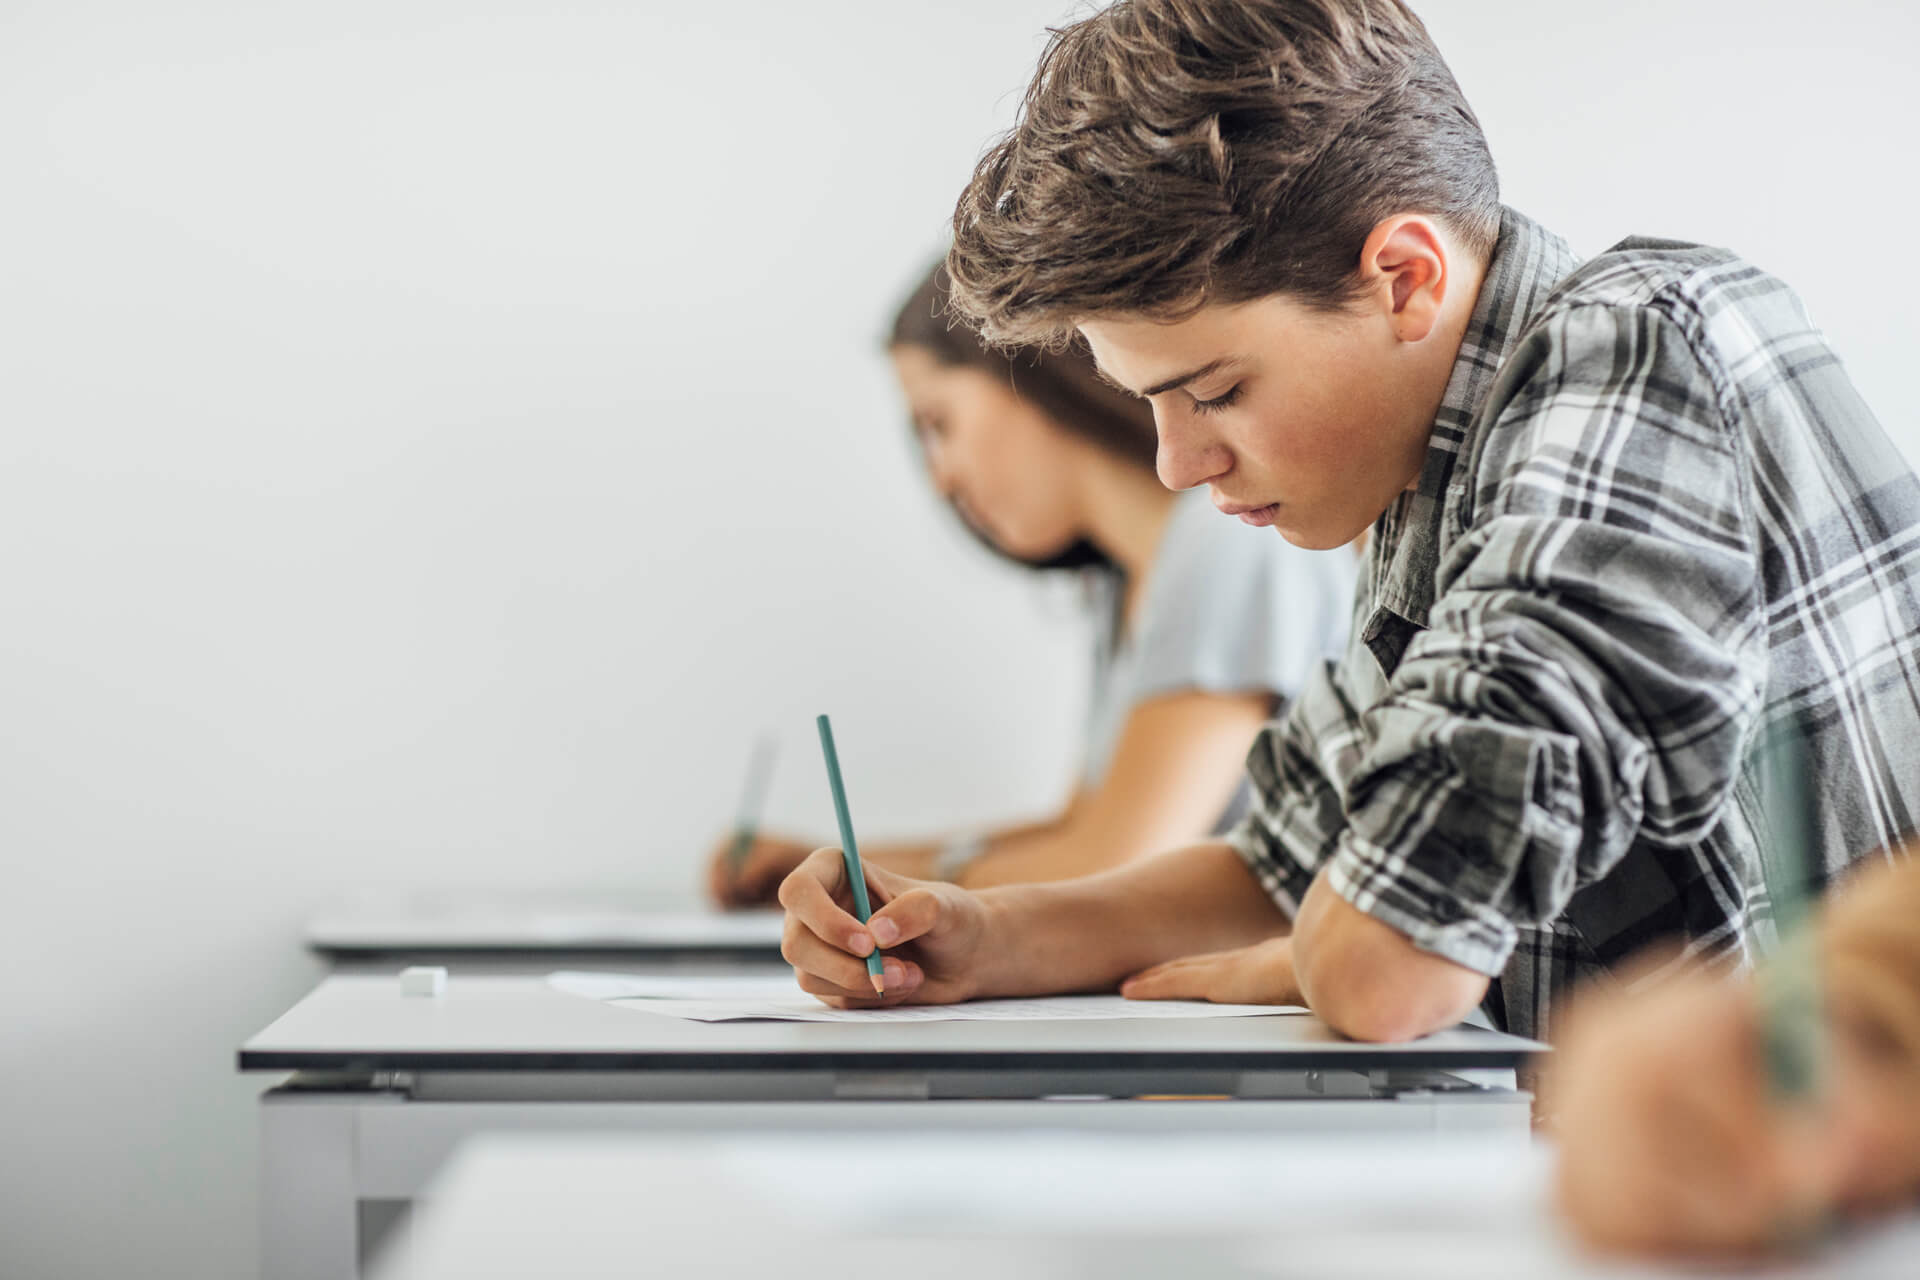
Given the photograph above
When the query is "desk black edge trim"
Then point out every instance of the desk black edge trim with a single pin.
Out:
(1333, 1057)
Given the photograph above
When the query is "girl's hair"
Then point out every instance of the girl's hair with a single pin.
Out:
(1063, 385)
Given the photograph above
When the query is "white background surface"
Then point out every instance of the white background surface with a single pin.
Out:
(435, 437)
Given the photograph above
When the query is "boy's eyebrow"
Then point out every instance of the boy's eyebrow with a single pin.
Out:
(1111, 381)
(1193, 375)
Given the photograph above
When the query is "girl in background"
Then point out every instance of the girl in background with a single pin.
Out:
(1206, 626)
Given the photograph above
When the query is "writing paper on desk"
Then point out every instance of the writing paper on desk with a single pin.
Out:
(735, 998)
(1047, 1009)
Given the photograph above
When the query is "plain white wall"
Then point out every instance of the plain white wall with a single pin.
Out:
(434, 438)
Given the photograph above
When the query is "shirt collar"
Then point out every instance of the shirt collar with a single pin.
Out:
(1527, 262)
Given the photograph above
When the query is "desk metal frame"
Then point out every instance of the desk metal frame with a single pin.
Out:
(383, 1090)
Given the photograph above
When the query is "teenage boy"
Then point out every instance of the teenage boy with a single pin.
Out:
(1625, 516)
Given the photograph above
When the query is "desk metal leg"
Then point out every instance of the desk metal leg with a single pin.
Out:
(309, 1208)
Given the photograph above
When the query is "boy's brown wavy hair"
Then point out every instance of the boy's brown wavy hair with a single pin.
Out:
(1175, 153)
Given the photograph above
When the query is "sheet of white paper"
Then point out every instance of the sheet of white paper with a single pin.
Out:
(1046, 1009)
(745, 997)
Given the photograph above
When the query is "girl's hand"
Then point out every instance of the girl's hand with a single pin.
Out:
(769, 860)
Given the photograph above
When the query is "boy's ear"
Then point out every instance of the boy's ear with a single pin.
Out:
(1407, 265)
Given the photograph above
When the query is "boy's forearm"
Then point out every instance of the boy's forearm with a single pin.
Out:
(1053, 852)
(1087, 934)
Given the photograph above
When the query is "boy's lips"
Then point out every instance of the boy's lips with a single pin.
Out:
(1257, 516)
(1261, 517)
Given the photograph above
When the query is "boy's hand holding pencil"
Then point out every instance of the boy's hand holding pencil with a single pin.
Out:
(932, 934)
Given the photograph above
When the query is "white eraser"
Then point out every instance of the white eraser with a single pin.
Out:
(423, 980)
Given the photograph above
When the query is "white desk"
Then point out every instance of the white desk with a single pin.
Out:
(1059, 1205)
(387, 1085)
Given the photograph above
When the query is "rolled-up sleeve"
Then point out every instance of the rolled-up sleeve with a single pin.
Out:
(1594, 656)
(1297, 809)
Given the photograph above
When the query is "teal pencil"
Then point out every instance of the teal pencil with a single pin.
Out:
(1789, 980)
(752, 800)
(848, 849)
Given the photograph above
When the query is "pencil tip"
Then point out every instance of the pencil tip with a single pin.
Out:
(879, 984)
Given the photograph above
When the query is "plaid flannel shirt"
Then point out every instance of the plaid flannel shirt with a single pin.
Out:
(1655, 521)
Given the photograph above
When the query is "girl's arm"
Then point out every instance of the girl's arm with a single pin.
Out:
(1179, 758)
(1175, 767)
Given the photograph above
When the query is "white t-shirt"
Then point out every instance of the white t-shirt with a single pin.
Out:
(1226, 609)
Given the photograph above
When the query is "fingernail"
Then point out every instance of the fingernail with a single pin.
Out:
(893, 974)
(886, 932)
(859, 944)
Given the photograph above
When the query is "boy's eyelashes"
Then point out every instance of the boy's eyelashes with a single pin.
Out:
(1218, 402)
